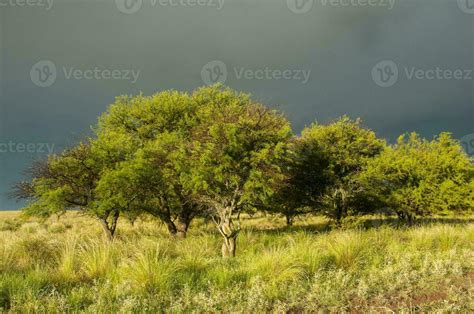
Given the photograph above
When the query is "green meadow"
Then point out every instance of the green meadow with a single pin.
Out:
(368, 265)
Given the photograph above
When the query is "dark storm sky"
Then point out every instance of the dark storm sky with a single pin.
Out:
(169, 45)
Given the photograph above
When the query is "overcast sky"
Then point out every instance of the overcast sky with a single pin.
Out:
(400, 65)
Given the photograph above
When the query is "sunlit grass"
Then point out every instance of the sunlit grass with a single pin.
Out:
(68, 266)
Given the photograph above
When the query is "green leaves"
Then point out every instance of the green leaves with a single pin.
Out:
(237, 144)
(421, 177)
(178, 155)
(321, 174)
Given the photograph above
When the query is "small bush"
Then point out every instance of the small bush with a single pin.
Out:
(36, 251)
(98, 258)
(9, 225)
(5, 301)
(30, 227)
(57, 228)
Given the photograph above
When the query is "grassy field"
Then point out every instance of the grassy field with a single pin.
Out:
(66, 266)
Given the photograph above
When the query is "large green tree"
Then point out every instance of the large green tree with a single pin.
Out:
(148, 177)
(338, 152)
(234, 150)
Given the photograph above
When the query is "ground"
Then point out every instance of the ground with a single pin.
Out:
(373, 265)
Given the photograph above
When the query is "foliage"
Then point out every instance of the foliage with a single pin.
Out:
(328, 159)
(234, 153)
(147, 178)
(216, 153)
(303, 180)
(417, 177)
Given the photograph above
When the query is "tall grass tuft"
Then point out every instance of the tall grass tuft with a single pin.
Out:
(349, 249)
(150, 270)
(98, 258)
(303, 269)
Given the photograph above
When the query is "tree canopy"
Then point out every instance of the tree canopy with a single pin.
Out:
(216, 153)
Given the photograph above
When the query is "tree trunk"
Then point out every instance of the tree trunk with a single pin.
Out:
(338, 215)
(229, 232)
(110, 227)
(179, 227)
(171, 226)
(182, 227)
(401, 215)
(229, 247)
(289, 220)
(108, 233)
(406, 217)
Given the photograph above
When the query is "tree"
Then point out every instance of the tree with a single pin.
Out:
(158, 129)
(417, 177)
(304, 179)
(68, 181)
(233, 154)
(338, 152)
(149, 183)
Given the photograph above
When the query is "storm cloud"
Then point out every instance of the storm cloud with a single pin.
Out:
(392, 63)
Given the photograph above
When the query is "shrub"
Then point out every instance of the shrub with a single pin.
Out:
(417, 177)
(10, 225)
(35, 251)
(57, 228)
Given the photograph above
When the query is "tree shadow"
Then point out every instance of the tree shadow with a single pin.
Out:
(395, 222)
(321, 227)
(362, 223)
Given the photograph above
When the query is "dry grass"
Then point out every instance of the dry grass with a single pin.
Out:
(67, 266)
